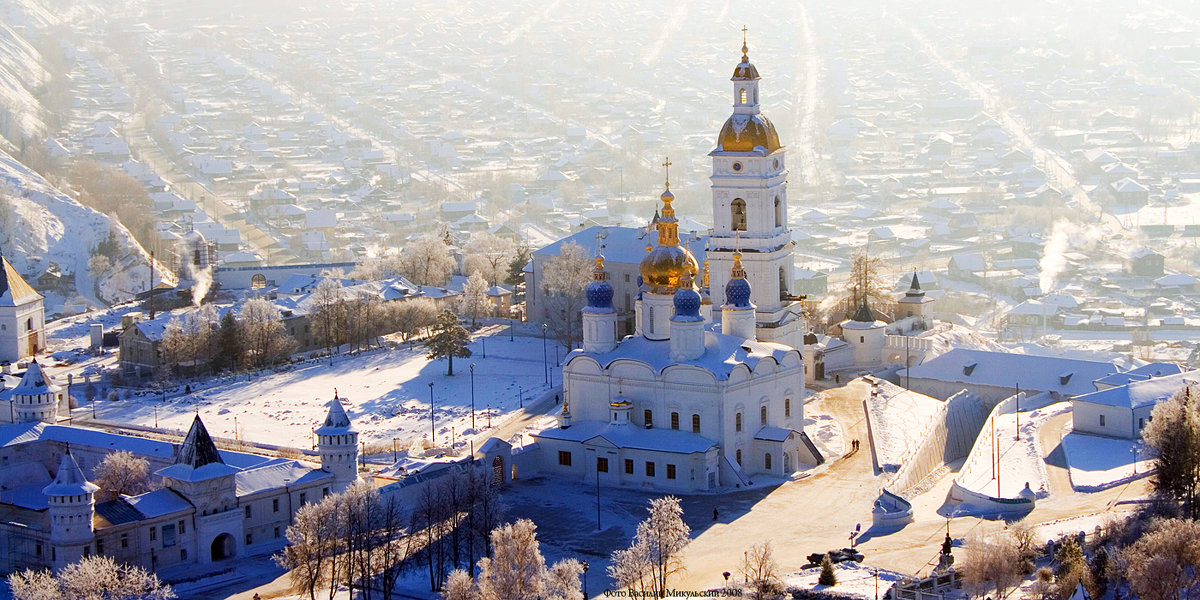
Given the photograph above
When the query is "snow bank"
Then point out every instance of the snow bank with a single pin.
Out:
(899, 420)
(1020, 456)
(1098, 463)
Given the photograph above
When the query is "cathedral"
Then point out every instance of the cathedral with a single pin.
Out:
(699, 397)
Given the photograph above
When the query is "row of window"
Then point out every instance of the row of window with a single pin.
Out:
(766, 459)
(564, 459)
(648, 417)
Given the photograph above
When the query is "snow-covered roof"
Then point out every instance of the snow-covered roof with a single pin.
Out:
(198, 457)
(1137, 394)
(631, 437)
(158, 503)
(34, 382)
(337, 422)
(276, 474)
(69, 481)
(771, 433)
(1067, 376)
(1143, 372)
(721, 354)
(1175, 280)
(622, 244)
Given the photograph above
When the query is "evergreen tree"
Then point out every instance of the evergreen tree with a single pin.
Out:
(229, 344)
(516, 268)
(827, 578)
(1174, 432)
(449, 340)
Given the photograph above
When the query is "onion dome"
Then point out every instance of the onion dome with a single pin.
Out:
(737, 291)
(599, 292)
(745, 71)
(664, 268)
(687, 302)
(744, 133)
(69, 481)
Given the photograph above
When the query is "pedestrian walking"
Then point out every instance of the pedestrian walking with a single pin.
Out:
(715, 514)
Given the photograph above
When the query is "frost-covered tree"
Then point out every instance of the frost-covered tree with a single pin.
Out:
(657, 550)
(427, 260)
(1174, 433)
(189, 340)
(449, 340)
(1164, 564)
(489, 254)
(516, 570)
(328, 313)
(762, 572)
(92, 578)
(308, 555)
(122, 472)
(563, 580)
(409, 317)
(992, 562)
(828, 577)
(265, 341)
(563, 280)
(474, 301)
(460, 586)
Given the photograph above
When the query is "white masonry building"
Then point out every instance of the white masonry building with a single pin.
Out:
(699, 397)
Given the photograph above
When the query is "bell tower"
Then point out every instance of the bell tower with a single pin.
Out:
(749, 199)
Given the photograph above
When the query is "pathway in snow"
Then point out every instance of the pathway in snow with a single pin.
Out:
(1020, 457)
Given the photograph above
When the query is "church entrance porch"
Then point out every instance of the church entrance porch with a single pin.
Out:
(222, 547)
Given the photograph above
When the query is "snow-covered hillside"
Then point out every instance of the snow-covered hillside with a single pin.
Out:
(40, 225)
(21, 72)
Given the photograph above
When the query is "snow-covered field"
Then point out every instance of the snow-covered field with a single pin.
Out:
(386, 393)
(853, 580)
(900, 419)
(1020, 456)
(1098, 463)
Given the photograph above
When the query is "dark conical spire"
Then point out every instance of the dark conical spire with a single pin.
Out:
(916, 284)
(198, 447)
(863, 314)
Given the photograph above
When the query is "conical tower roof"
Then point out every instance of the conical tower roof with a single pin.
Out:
(34, 382)
(337, 422)
(198, 447)
(70, 480)
(863, 314)
(14, 291)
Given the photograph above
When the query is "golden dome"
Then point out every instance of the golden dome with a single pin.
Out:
(744, 133)
(665, 266)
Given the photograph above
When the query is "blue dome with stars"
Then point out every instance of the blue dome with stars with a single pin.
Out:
(737, 293)
(687, 304)
(599, 294)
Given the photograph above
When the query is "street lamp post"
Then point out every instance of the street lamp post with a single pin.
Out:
(489, 411)
(483, 341)
(585, 570)
(510, 329)
(545, 357)
(472, 395)
(432, 423)
(521, 396)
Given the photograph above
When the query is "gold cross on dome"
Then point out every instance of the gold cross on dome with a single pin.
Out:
(667, 165)
(743, 35)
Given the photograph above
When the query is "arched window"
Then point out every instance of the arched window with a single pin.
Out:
(674, 420)
(737, 214)
(742, 96)
(650, 319)
(259, 281)
(739, 456)
(778, 212)
(648, 418)
(783, 290)
(29, 324)
(762, 415)
(737, 422)
(695, 423)
(767, 461)
(787, 407)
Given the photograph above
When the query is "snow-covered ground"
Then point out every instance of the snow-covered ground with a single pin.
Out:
(853, 580)
(1020, 456)
(1098, 463)
(825, 433)
(386, 393)
(900, 419)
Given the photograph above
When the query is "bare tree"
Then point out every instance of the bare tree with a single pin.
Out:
(328, 313)
(122, 472)
(991, 562)
(563, 280)
(867, 283)
(92, 578)
(308, 556)
(489, 254)
(762, 572)
(265, 341)
(409, 317)
(428, 260)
